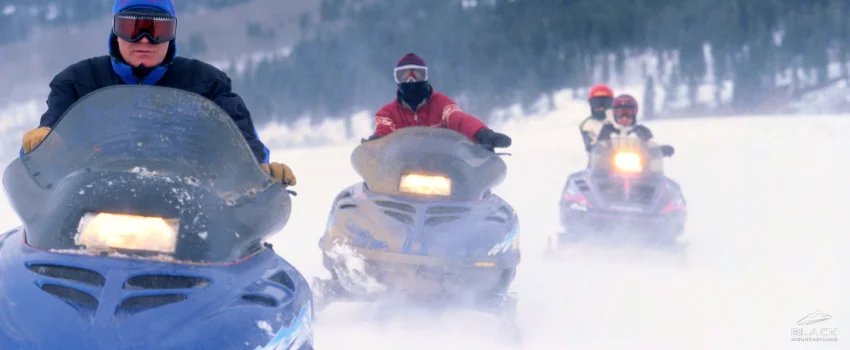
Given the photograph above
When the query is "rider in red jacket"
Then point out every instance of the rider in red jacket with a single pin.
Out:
(432, 108)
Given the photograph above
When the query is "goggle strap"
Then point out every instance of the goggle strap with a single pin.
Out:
(410, 66)
(145, 16)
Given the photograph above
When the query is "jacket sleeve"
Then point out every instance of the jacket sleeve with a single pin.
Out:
(642, 132)
(590, 129)
(456, 119)
(222, 94)
(62, 95)
(384, 122)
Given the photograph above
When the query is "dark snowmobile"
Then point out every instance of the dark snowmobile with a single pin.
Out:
(423, 227)
(623, 197)
(144, 214)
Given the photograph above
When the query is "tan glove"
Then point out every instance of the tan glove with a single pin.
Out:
(34, 137)
(280, 172)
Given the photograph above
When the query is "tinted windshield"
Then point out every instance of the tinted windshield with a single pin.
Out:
(603, 154)
(154, 153)
(148, 129)
(471, 169)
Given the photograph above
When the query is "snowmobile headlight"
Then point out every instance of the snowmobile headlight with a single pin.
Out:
(426, 184)
(628, 162)
(120, 231)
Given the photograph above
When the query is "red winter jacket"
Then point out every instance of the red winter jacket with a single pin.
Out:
(438, 111)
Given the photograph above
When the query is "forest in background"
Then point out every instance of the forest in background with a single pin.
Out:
(494, 53)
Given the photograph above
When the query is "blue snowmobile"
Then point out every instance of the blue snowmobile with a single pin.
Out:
(623, 197)
(424, 227)
(144, 218)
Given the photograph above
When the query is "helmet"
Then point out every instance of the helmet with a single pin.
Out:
(600, 90)
(625, 106)
(600, 98)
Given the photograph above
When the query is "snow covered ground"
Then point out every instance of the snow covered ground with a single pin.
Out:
(766, 231)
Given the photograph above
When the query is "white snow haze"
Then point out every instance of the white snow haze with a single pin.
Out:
(766, 238)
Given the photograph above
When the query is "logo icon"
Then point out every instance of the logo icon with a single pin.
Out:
(814, 317)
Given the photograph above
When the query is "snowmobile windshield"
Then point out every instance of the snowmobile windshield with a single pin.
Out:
(426, 162)
(149, 130)
(626, 156)
(148, 170)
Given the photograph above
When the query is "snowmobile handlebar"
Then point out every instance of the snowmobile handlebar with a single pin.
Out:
(486, 146)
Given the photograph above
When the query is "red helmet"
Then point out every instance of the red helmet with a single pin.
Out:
(600, 90)
(625, 106)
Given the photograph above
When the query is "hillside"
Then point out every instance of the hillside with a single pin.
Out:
(32, 63)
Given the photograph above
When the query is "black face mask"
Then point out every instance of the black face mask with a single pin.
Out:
(414, 93)
(598, 105)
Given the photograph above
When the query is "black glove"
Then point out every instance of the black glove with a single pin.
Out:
(370, 138)
(605, 133)
(642, 132)
(667, 150)
(486, 136)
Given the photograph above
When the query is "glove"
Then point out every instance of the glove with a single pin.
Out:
(486, 136)
(667, 150)
(280, 172)
(642, 132)
(370, 138)
(34, 137)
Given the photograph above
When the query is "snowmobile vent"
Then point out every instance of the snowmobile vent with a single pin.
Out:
(407, 219)
(165, 282)
(407, 208)
(79, 300)
(436, 220)
(69, 273)
(282, 278)
(260, 299)
(447, 210)
(507, 212)
(343, 195)
(496, 219)
(347, 206)
(397, 206)
(138, 304)
(440, 214)
(582, 185)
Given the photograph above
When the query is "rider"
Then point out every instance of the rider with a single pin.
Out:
(142, 50)
(600, 98)
(625, 115)
(417, 104)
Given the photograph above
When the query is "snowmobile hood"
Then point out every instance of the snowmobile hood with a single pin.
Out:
(103, 303)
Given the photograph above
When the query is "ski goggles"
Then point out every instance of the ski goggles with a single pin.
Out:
(625, 112)
(159, 28)
(410, 74)
(601, 103)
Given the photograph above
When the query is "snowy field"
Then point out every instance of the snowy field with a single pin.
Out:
(766, 231)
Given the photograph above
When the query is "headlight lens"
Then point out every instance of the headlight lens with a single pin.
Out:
(628, 162)
(426, 184)
(109, 231)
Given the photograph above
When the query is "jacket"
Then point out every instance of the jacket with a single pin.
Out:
(438, 111)
(191, 75)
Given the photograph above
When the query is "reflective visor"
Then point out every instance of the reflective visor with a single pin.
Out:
(625, 112)
(601, 103)
(410, 74)
(159, 28)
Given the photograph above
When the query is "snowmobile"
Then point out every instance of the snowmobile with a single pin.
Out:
(423, 227)
(622, 197)
(144, 215)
